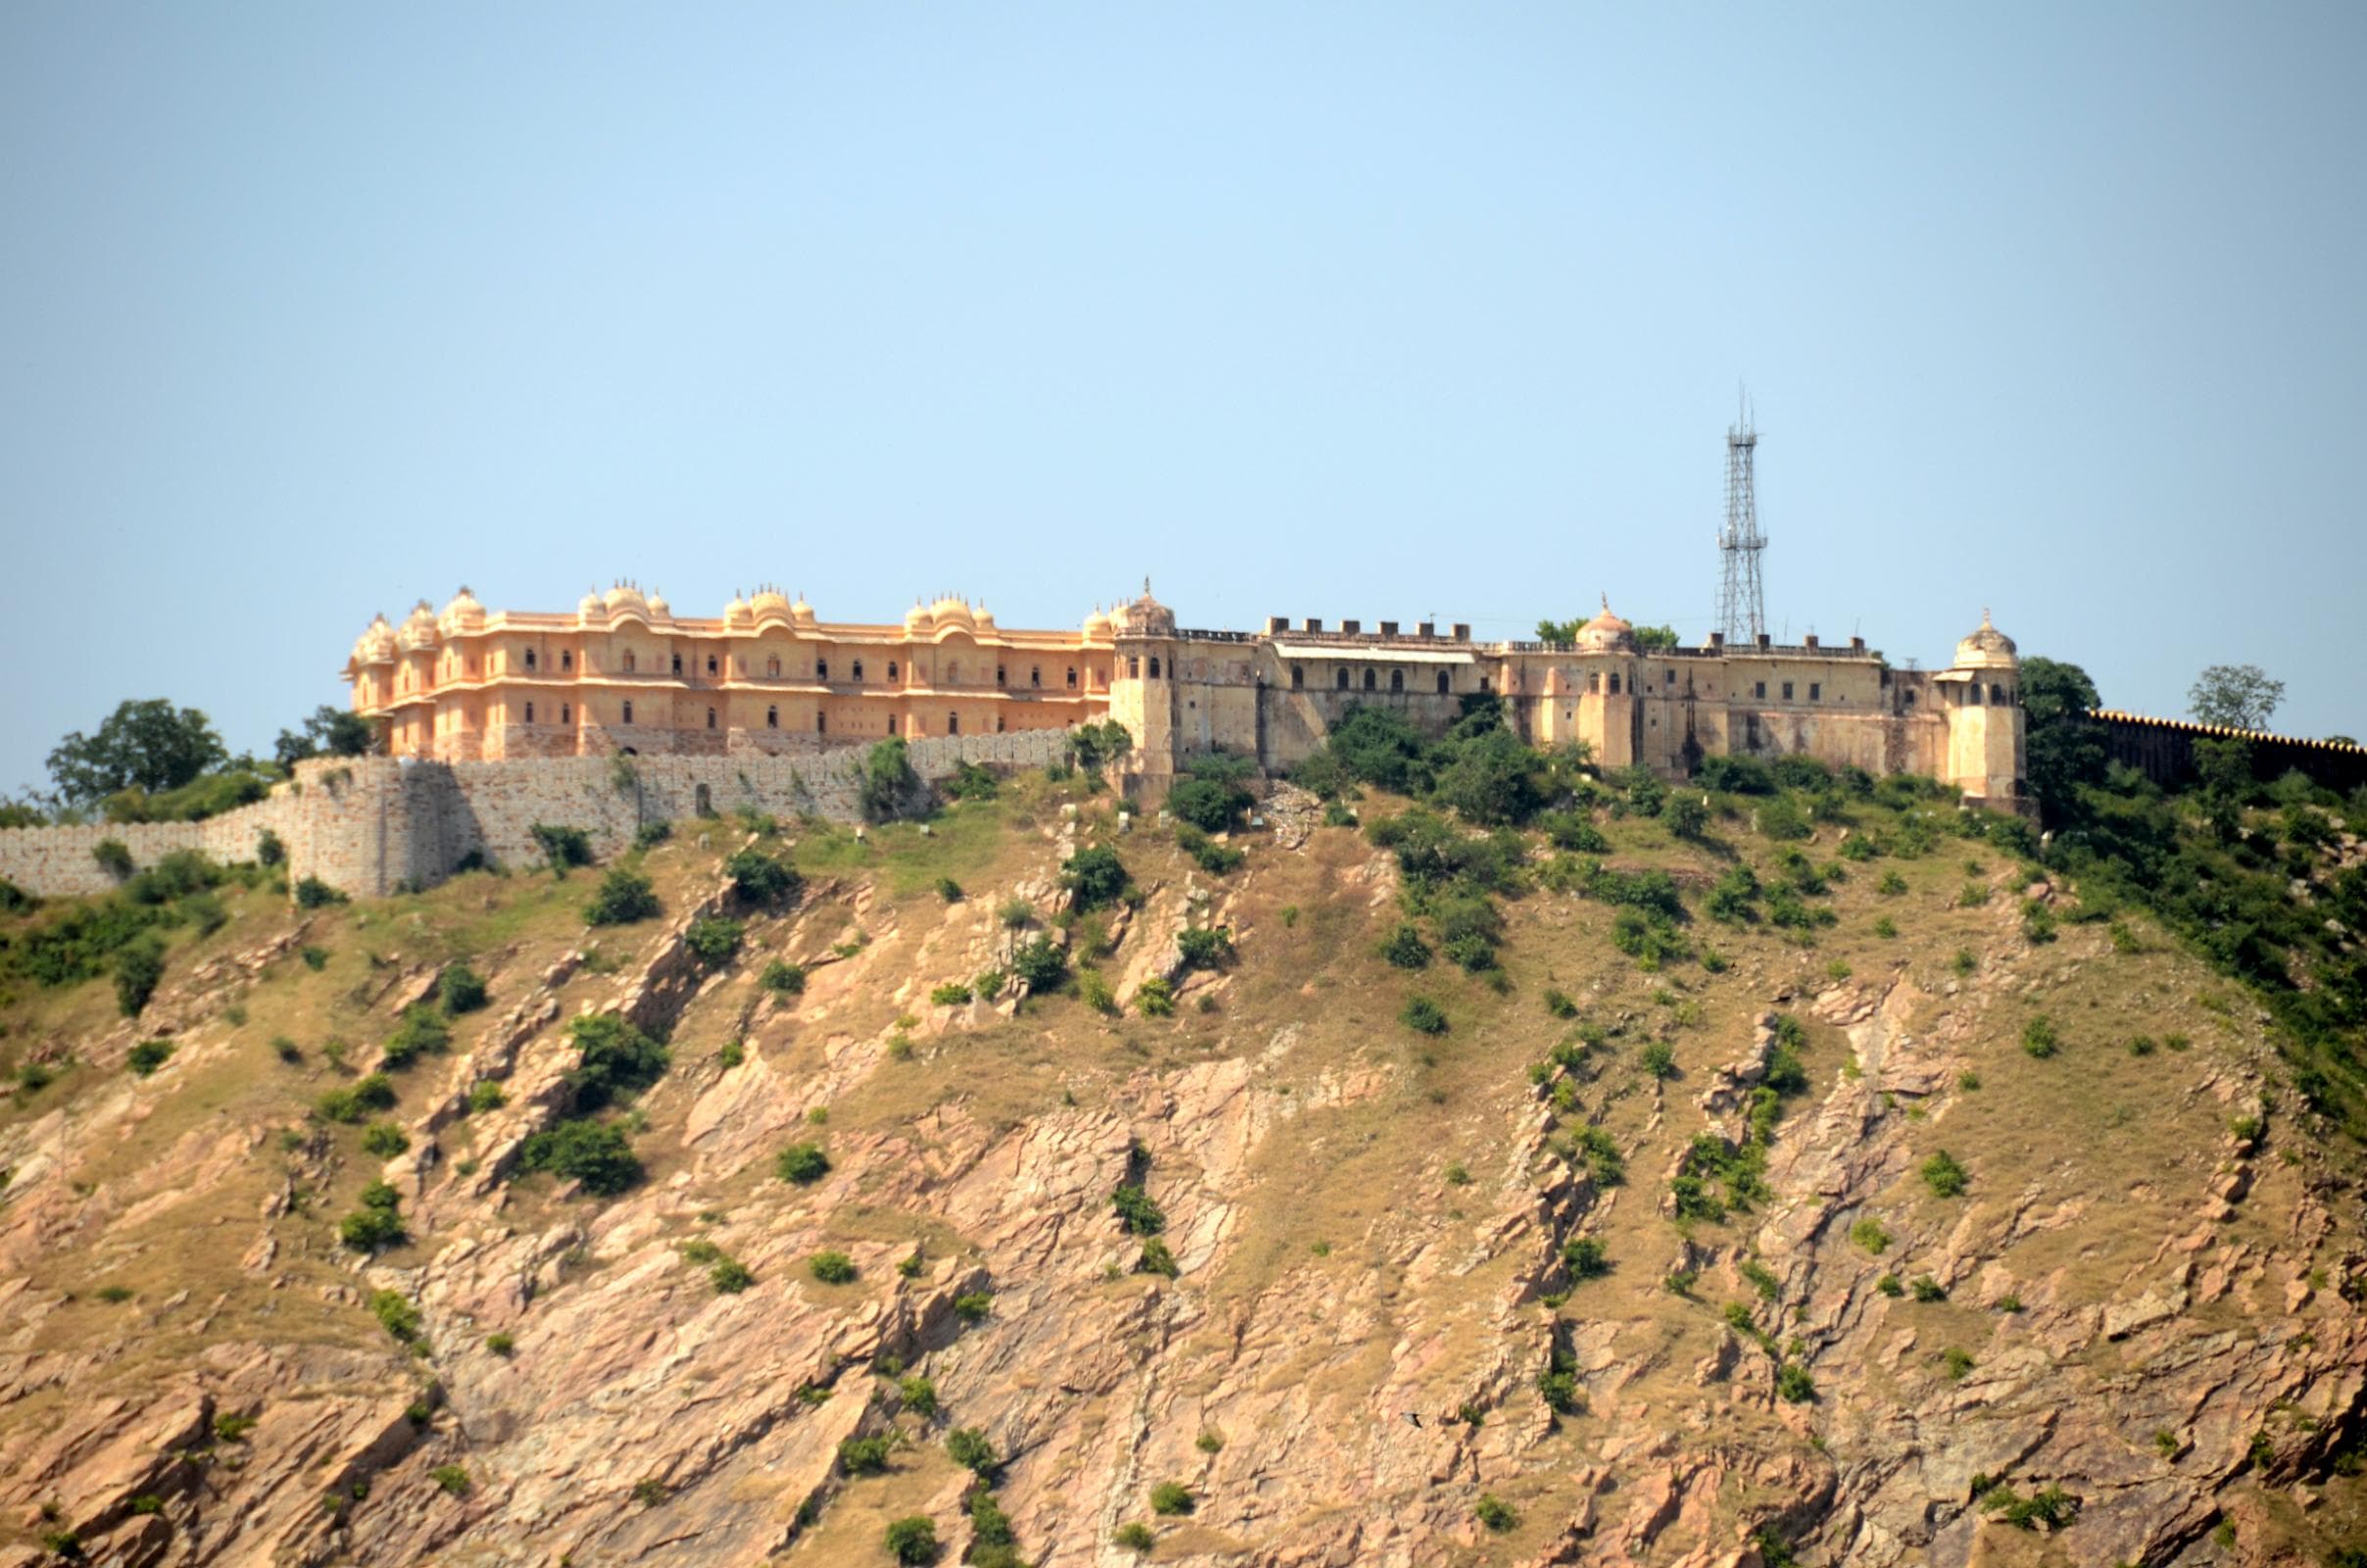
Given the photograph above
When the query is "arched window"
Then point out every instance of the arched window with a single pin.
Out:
(1397, 680)
(530, 659)
(953, 674)
(529, 712)
(998, 674)
(858, 670)
(772, 718)
(1072, 677)
(1154, 666)
(628, 712)
(773, 670)
(1614, 683)
(821, 723)
(711, 664)
(952, 723)
(891, 672)
(1445, 683)
(628, 660)
(821, 667)
(567, 712)
(710, 718)
(998, 723)
(566, 660)
(702, 803)
(677, 664)
(1368, 680)
(1343, 681)
(1134, 667)
(1035, 675)
(1297, 677)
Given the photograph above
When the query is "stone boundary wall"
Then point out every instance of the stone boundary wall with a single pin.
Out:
(368, 825)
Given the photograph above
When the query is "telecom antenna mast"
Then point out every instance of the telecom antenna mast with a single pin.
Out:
(1742, 599)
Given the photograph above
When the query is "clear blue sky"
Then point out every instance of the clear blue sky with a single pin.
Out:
(308, 310)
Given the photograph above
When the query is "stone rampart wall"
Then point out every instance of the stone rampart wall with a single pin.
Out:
(368, 825)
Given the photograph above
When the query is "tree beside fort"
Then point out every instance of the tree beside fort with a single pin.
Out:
(2235, 697)
(149, 746)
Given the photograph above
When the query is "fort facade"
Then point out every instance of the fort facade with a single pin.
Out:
(623, 674)
(622, 713)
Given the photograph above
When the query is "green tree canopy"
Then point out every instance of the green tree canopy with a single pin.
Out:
(330, 732)
(2236, 696)
(148, 745)
(2064, 751)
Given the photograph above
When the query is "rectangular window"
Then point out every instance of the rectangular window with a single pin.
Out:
(1816, 690)
(1787, 691)
(1761, 692)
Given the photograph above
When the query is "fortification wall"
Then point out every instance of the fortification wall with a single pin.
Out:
(368, 825)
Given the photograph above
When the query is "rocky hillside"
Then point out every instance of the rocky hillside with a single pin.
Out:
(1037, 1186)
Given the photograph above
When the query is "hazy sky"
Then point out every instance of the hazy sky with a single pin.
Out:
(310, 311)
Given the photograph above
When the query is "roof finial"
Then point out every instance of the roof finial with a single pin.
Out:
(1607, 604)
(1984, 615)
(1146, 585)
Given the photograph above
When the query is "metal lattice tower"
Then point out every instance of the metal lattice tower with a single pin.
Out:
(1741, 597)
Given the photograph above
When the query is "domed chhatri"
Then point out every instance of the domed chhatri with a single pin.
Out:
(1986, 647)
(1606, 630)
(419, 634)
(1145, 616)
(376, 645)
(768, 677)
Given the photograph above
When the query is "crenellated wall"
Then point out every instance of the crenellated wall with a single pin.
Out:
(368, 825)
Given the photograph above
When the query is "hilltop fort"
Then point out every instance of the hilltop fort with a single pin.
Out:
(623, 674)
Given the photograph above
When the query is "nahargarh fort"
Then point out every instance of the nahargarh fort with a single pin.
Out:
(622, 673)
(621, 712)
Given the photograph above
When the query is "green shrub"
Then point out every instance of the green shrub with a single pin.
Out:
(865, 1456)
(713, 940)
(484, 1095)
(1135, 1536)
(1423, 1016)
(889, 787)
(624, 896)
(1793, 1383)
(762, 878)
(562, 847)
(422, 1032)
(139, 967)
(1093, 990)
(784, 978)
(1205, 947)
(831, 1269)
(460, 989)
(1869, 1234)
(314, 894)
(1040, 964)
(1659, 1059)
(1944, 1176)
(1156, 999)
(2039, 1038)
(1889, 1284)
(383, 1139)
(1171, 1497)
(315, 958)
(1956, 1363)
(973, 1306)
(1495, 1513)
(1138, 1212)
(649, 835)
(1405, 948)
(1586, 1257)
(911, 1538)
(1094, 877)
(614, 1059)
(113, 858)
(801, 1164)
(500, 1344)
(967, 1448)
(1156, 1258)
(919, 1396)
(594, 1154)
(1560, 1005)
(729, 1276)
(1927, 1290)
(148, 1055)
(395, 1314)
(452, 1478)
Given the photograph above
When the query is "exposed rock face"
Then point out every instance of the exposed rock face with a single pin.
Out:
(1342, 1404)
